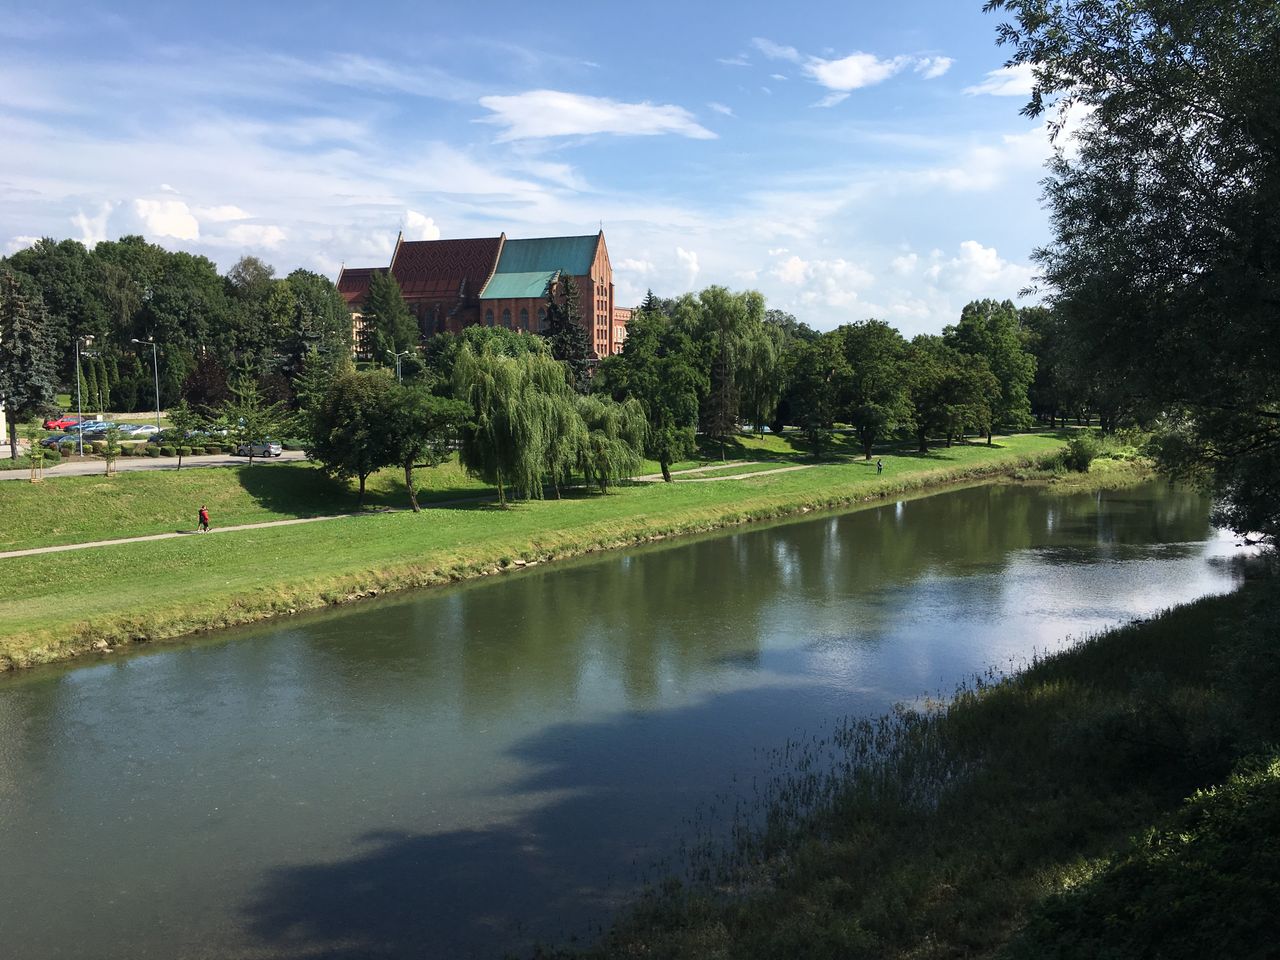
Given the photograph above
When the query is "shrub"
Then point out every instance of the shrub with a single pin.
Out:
(213, 449)
(67, 449)
(184, 451)
(97, 446)
(168, 451)
(1081, 449)
(292, 444)
(152, 450)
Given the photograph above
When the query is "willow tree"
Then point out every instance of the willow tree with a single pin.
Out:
(615, 436)
(505, 440)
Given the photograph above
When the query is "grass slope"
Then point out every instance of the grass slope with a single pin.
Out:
(154, 590)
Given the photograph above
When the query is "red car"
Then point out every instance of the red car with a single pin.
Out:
(60, 423)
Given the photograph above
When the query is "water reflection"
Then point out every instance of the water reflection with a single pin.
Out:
(462, 770)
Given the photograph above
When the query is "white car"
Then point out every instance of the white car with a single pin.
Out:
(268, 449)
(144, 429)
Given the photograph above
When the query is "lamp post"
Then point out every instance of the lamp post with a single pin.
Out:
(86, 340)
(155, 365)
(402, 353)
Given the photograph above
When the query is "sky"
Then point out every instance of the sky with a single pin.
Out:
(847, 159)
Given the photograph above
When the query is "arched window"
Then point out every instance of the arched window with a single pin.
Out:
(542, 318)
(488, 318)
(506, 318)
(524, 318)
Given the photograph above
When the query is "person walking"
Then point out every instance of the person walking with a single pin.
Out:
(204, 519)
(879, 467)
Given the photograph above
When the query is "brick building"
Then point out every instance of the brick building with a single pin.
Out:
(452, 284)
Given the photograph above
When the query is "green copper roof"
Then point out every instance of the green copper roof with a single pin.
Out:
(510, 285)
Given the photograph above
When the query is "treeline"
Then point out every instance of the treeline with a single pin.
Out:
(208, 329)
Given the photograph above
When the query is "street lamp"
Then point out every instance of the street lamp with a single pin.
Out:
(155, 365)
(402, 353)
(86, 340)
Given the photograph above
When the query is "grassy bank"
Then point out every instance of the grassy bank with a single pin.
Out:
(1120, 799)
(149, 591)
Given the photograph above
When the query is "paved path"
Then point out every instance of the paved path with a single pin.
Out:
(88, 468)
(684, 475)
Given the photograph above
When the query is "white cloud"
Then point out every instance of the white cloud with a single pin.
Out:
(905, 265)
(792, 270)
(739, 60)
(831, 99)
(776, 51)
(630, 265)
(854, 71)
(721, 108)
(255, 235)
(93, 228)
(933, 67)
(553, 113)
(418, 226)
(777, 76)
(829, 283)
(689, 260)
(21, 243)
(1013, 81)
(222, 213)
(167, 218)
(979, 271)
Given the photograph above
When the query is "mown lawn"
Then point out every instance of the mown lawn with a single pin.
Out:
(165, 588)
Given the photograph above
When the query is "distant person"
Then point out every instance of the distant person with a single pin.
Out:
(879, 467)
(204, 519)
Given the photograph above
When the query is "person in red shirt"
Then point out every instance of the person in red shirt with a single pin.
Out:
(204, 519)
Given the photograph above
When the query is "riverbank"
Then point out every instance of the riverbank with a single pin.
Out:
(143, 592)
(1118, 799)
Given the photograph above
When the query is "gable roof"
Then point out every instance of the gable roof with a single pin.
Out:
(353, 283)
(527, 266)
(441, 269)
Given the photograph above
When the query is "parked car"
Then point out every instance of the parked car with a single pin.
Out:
(53, 439)
(268, 449)
(60, 422)
(145, 429)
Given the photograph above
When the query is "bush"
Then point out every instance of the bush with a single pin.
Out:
(293, 444)
(97, 446)
(213, 449)
(167, 451)
(184, 451)
(1081, 449)
(67, 449)
(152, 450)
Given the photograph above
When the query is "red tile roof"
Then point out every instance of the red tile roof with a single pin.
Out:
(439, 269)
(353, 283)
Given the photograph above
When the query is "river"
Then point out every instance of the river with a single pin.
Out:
(458, 772)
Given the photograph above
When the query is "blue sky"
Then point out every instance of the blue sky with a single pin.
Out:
(847, 159)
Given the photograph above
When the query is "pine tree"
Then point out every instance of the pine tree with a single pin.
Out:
(394, 328)
(90, 367)
(27, 371)
(565, 332)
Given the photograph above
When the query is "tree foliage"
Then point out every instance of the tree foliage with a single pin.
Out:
(565, 333)
(1166, 243)
(27, 384)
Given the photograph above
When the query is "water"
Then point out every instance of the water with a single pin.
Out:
(460, 772)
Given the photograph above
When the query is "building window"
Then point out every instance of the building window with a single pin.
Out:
(542, 318)
(488, 318)
(524, 318)
(506, 318)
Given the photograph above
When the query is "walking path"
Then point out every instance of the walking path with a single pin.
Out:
(684, 475)
(88, 468)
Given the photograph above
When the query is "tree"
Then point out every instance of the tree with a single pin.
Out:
(724, 320)
(1163, 260)
(990, 329)
(816, 370)
(422, 429)
(949, 391)
(111, 448)
(874, 386)
(351, 432)
(759, 373)
(27, 385)
(658, 368)
(565, 333)
(393, 327)
(615, 435)
(251, 421)
(183, 421)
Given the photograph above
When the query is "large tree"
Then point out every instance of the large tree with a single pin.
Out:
(658, 367)
(816, 370)
(1166, 244)
(351, 432)
(990, 329)
(27, 385)
(389, 323)
(565, 333)
(422, 430)
(874, 385)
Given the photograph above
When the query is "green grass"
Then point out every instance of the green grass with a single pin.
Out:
(733, 470)
(81, 509)
(166, 588)
(1038, 816)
